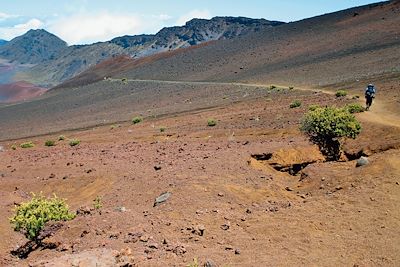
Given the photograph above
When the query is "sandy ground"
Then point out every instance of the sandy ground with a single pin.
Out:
(228, 205)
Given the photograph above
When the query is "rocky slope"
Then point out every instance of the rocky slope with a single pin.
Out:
(34, 47)
(61, 62)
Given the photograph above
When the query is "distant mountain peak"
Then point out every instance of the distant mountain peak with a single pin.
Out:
(35, 46)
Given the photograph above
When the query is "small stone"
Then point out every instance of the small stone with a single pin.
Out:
(237, 251)
(157, 168)
(225, 226)
(287, 188)
(228, 247)
(220, 194)
(162, 198)
(362, 162)
(1, 148)
(153, 245)
(210, 263)
(144, 238)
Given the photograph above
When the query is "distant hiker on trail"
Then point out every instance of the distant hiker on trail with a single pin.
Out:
(370, 92)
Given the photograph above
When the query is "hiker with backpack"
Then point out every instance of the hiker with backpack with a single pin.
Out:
(370, 92)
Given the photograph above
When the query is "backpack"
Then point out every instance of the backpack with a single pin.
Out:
(370, 91)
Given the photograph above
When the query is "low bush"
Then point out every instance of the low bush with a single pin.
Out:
(211, 122)
(61, 138)
(137, 120)
(326, 126)
(74, 142)
(295, 104)
(162, 129)
(27, 145)
(49, 143)
(355, 108)
(313, 107)
(97, 203)
(272, 87)
(14, 147)
(341, 93)
(291, 87)
(30, 217)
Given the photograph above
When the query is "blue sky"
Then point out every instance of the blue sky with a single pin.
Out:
(88, 21)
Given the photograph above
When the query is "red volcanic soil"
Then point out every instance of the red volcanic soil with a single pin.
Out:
(19, 91)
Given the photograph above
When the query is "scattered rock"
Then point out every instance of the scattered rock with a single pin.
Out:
(157, 168)
(237, 251)
(210, 263)
(1, 148)
(82, 211)
(179, 250)
(153, 245)
(226, 226)
(144, 238)
(362, 162)
(132, 237)
(162, 198)
(220, 194)
(121, 209)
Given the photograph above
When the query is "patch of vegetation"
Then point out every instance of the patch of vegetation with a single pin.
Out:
(137, 120)
(27, 145)
(295, 104)
(291, 87)
(124, 80)
(313, 107)
(61, 138)
(112, 127)
(14, 147)
(162, 129)
(326, 126)
(30, 217)
(272, 87)
(97, 203)
(355, 108)
(74, 142)
(194, 263)
(341, 93)
(49, 143)
(211, 122)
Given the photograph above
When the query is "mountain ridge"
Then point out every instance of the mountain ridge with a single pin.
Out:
(69, 61)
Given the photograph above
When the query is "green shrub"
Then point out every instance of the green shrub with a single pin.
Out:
(14, 147)
(272, 87)
(97, 203)
(211, 122)
(74, 142)
(61, 138)
(341, 93)
(137, 120)
(325, 127)
(124, 80)
(295, 104)
(291, 87)
(355, 108)
(49, 143)
(31, 217)
(162, 129)
(194, 263)
(27, 145)
(313, 107)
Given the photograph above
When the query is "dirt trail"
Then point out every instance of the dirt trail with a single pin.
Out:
(377, 114)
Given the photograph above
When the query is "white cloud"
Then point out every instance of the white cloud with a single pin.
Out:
(4, 16)
(85, 27)
(194, 14)
(9, 33)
